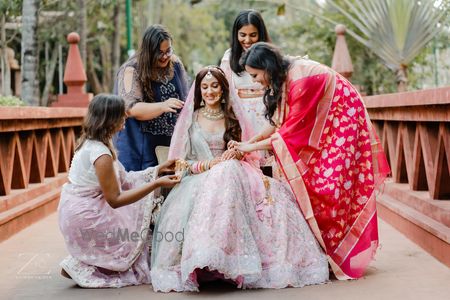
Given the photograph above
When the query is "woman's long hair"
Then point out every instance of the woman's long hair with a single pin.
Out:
(245, 17)
(147, 58)
(264, 56)
(105, 114)
(233, 130)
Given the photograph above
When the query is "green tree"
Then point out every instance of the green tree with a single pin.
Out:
(57, 19)
(8, 10)
(395, 30)
(200, 37)
(104, 37)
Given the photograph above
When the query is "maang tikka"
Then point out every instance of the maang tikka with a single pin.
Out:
(209, 74)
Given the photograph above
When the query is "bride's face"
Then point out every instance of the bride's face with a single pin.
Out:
(211, 91)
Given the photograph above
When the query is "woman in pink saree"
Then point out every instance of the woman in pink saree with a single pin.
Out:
(327, 150)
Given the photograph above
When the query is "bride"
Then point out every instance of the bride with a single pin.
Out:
(226, 220)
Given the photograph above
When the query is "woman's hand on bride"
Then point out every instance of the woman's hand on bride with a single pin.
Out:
(171, 105)
(167, 181)
(245, 147)
(168, 167)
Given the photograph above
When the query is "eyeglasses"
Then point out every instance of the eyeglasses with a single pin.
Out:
(168, 53)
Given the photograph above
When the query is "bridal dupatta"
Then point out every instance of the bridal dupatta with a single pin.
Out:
(333, 161)
(179, 144)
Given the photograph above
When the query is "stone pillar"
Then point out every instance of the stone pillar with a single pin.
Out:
(74, 77)
(342, 63)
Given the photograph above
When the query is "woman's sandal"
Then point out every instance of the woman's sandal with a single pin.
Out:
(65, 274)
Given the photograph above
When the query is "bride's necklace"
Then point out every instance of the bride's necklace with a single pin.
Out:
(212, 114)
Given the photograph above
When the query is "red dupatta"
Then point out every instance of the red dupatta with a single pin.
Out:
(326, 150)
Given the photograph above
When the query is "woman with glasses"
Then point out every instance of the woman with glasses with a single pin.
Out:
(152, 83)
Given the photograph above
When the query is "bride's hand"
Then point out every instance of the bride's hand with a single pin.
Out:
(229, 154)
(215, 161)
(231, 144)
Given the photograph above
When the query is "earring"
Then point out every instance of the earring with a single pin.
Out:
(220, 96)
(202, 103)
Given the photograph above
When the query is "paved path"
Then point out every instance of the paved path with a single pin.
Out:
(29, 270)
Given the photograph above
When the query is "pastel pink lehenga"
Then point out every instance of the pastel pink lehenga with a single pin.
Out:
(230, 222)
(108, 247)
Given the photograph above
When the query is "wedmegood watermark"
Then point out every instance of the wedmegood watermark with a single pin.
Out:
(125, 235)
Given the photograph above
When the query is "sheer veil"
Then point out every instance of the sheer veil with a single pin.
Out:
(179, 145)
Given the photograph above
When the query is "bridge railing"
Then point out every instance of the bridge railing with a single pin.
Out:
(35, 143)
(414, 128)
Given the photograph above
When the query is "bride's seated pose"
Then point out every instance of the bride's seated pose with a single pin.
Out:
(226, 220)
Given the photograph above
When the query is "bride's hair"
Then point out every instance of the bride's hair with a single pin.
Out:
(233, 130)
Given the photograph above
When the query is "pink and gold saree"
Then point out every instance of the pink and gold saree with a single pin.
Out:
(331, 157)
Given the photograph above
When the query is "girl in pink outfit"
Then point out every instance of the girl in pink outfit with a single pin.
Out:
(105, 212)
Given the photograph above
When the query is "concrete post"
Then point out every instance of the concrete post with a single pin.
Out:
(74, 77)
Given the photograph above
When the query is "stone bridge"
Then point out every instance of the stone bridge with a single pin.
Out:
(36, 146)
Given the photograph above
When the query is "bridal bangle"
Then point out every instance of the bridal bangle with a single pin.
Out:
(200, 166)
(181, 168)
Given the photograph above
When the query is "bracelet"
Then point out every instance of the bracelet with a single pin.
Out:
(200, 166)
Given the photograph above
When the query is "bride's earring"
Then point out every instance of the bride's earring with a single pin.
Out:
(270, 88)
(222, 98)
(202, 103)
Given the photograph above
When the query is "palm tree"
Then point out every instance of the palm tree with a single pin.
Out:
(395, 30)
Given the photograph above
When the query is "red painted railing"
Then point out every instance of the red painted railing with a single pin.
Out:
(414, 128)
(35, 143)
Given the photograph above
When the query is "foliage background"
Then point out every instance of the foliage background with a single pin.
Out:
(201, 32)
